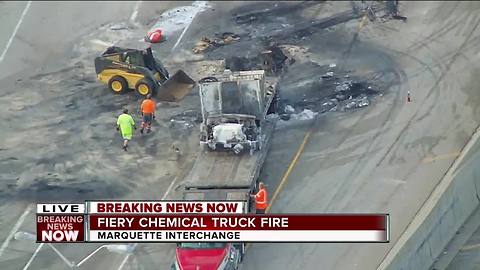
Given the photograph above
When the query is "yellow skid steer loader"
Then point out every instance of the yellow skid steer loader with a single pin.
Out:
(124, 69)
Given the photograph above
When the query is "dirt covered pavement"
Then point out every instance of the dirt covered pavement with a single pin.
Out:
(59, 141)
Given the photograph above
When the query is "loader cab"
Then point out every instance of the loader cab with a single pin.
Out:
(153, 63)
(135, 58)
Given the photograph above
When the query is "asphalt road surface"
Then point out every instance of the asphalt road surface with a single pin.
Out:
(53, 154)
(462, 251)
(60, 144)
(467, 257)
(389, 157)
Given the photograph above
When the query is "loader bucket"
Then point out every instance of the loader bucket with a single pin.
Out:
(176, 87)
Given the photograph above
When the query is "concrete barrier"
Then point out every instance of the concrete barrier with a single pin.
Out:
(454, 199)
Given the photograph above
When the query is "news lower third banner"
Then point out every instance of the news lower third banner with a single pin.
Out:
(199, 221)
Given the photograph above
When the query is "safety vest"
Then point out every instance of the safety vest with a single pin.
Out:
(261, 199)
(126, 124)
(148, 106)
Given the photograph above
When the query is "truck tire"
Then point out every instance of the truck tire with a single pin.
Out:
(118, 85)
(145, 87)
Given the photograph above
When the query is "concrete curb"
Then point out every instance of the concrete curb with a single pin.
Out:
(453, 200)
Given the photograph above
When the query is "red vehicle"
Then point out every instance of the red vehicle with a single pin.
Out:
(212, 256)
(207, 256)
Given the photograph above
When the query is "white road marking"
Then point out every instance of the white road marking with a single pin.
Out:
(169, 189)
(185, 30)
(90, 255)
(134, 15)
(15, 229)
(181, 35)
(124, 261)
(33, 256)
(126, 258)
(15, 31)
(69, 263)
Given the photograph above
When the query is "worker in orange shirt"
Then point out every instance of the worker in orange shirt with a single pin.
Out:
(261, 199)
(148, 113)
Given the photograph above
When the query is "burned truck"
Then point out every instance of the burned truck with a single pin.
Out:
(243, 98)
(234, 109)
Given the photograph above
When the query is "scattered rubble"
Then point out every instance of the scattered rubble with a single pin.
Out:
(304, 115)
(383, 15)
(295, 53)
(271, 59)
(344, 86)
(186, 119)
(329, 74)
(339, 94)
(285, 116)
(206, 43)
(180, 124)
(182, 56)
(289, 109)
(351, 94)
(119, 26)
(239, 63)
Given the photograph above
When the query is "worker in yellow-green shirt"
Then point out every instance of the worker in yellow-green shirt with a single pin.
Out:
(126, 125)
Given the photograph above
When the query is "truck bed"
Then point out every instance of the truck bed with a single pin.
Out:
(225, 169)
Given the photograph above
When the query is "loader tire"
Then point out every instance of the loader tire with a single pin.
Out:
(118, 85)
(145, 87)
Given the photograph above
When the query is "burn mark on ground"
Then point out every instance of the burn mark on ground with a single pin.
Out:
(260, 15)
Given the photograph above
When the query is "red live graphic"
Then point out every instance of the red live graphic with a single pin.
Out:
(60, 228)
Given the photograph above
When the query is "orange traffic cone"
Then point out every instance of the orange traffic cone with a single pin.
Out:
(409, 99)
